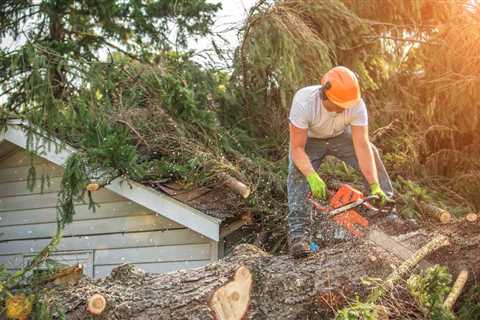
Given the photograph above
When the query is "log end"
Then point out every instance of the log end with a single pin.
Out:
(471, 217)
(235, 185)
(445, 217)
(93, 187)
(18, 306)
(96, 304)
(231, 301)
(437, 213)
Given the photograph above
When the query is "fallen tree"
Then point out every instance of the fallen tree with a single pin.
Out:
(248, 284)
(252, 284)
(282, 288)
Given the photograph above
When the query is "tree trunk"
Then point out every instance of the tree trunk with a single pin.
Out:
(282, 288)
(251, 284)
(57, 36)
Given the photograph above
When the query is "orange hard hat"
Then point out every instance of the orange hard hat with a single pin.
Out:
(340, 85)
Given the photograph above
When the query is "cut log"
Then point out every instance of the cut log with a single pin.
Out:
(471, 217)
(235, 185)
(18, 306)
(96, 304)
(437, 213)
(231, 301)
(456, 290)
(92, 187)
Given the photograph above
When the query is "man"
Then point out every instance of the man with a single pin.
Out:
(328, 119)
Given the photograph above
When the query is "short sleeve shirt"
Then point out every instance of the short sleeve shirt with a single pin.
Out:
(308, 112)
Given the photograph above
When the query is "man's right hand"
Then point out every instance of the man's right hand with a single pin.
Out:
(317, 186)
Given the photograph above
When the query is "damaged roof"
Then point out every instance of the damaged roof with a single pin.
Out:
(202, 209)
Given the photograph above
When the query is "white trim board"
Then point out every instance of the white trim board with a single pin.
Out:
(145, 196)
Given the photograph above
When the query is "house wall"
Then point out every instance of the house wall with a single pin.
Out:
(119, 231)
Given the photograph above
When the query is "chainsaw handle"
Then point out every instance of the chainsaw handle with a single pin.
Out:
(388, 202)
(372, 197)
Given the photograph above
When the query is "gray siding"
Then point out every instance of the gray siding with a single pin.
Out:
(119, 231)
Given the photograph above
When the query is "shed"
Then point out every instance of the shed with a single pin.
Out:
(134, 223)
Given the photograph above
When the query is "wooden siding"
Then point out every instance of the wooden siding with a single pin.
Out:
(157, 254)
(49, 200)
(89, 227)
(6, 148)
(104, 270)
(11, 261)
(45, 215)
(20, 158)
(19, 188)
(119, 230)
(20, 173)
(108, 241)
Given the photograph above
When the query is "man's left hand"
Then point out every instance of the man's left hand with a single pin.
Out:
(376, 190)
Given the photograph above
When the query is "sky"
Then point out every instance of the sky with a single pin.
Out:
(233, 13)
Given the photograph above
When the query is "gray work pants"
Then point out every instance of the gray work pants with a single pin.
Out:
(300, 211)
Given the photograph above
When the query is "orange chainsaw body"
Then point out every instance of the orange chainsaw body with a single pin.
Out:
(351, 218)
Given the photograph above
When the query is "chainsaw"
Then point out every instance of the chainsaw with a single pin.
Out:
(344, 207)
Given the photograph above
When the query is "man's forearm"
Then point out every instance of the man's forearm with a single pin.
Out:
(366, 162)
(302, 161)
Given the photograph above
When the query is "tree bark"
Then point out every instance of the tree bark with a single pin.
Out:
(456, 289)
(57, 36)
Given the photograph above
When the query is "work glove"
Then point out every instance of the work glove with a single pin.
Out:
(377, 191)
(317, 186)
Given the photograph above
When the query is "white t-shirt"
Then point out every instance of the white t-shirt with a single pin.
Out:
(308, 112)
